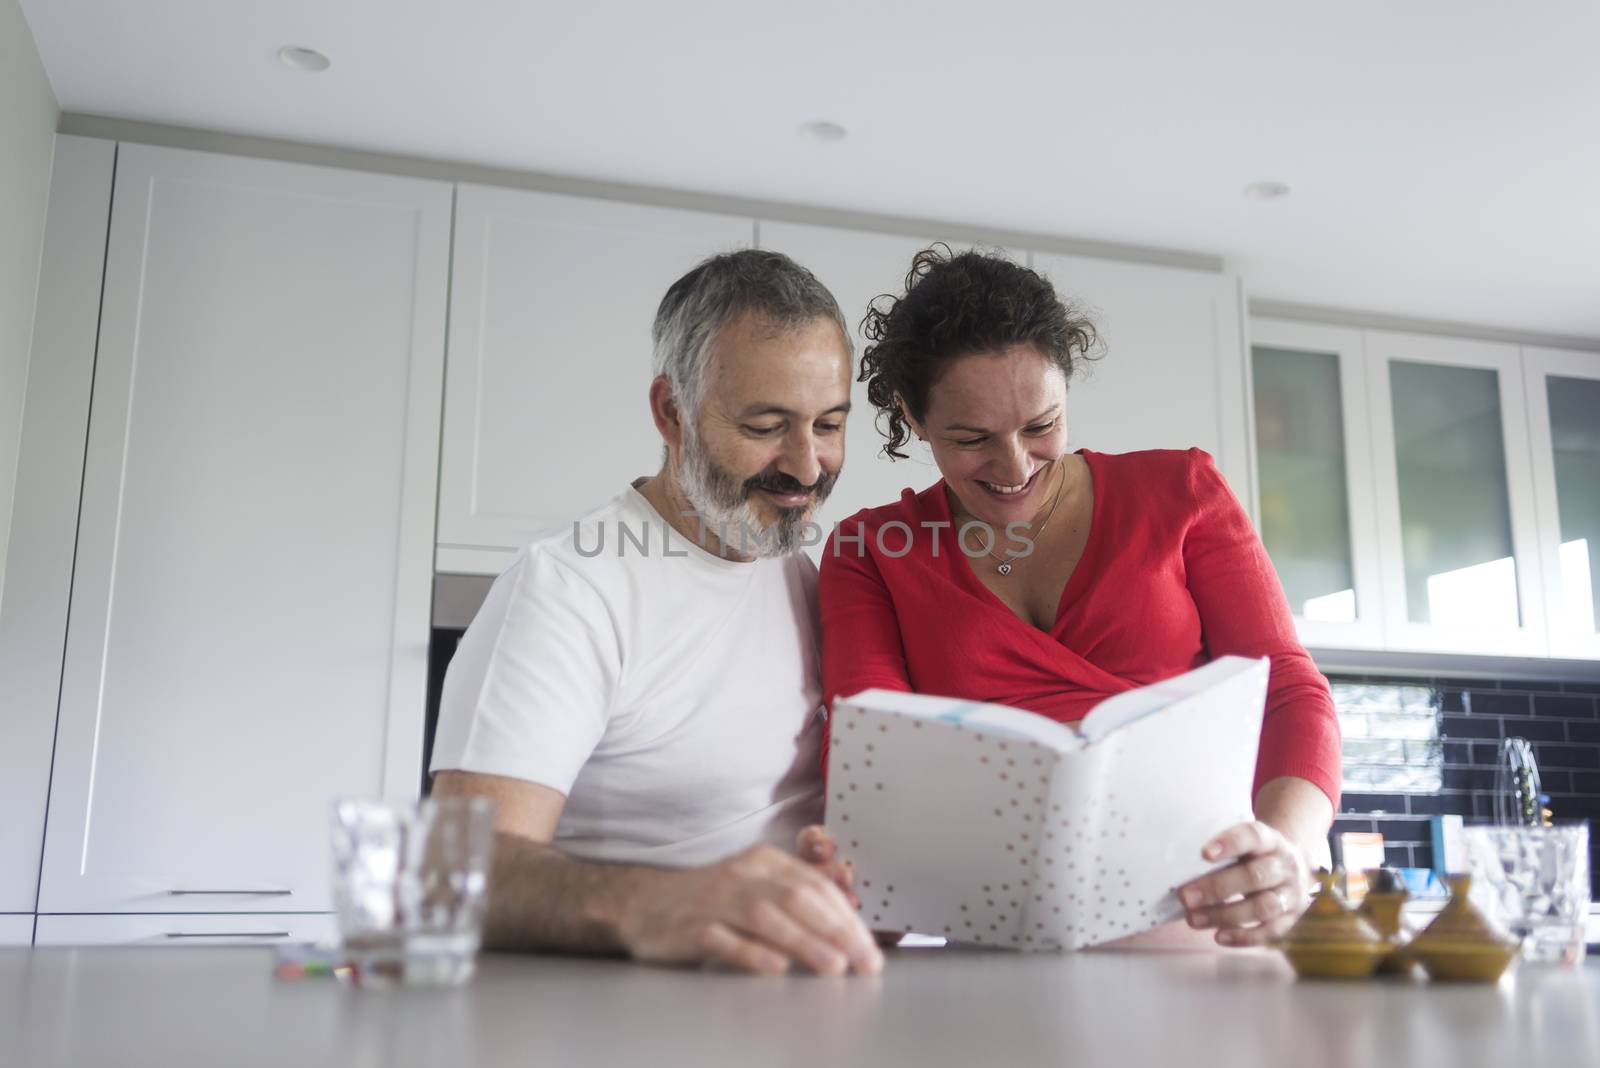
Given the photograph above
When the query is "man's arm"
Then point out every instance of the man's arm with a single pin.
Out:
(758, 911)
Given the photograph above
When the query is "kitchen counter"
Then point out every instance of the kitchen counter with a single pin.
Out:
(219, 1006)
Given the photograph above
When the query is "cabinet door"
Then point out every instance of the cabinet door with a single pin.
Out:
(858, 266)
(16, 930)
(1459, 548)
(1314, 490)
(1564, 427)
(38, 572)
(249, 619)
(546, 408)
(1173, 374)
(234, 929)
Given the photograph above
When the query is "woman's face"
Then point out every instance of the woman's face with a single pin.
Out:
(997, 423)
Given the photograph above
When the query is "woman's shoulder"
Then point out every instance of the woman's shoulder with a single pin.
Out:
(1180, 464)
(1164, 481)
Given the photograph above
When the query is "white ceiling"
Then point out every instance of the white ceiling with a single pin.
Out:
(1444, 154)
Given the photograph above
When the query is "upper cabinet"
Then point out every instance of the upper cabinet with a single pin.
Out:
(1172, 376)
(546, 398)
(1563, 394)
(1317, 511)
(248, 634)
(1455, 496)
(1430, 494)
(552, 299)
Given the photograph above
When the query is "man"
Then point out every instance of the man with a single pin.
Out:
(640, 693)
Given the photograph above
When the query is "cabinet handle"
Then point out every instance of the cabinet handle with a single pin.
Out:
(252, 893)
(227, 934)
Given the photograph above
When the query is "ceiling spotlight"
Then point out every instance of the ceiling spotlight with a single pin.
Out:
(307, 59)
(824, 131)
(1266, 190)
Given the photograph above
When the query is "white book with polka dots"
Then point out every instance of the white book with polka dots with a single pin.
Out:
(996, 826)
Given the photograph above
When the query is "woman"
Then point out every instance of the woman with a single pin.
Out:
(1104, 572)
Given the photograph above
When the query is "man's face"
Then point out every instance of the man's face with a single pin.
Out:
(769, 441)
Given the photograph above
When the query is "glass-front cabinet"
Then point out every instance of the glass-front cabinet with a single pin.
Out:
(1454, 482)
(1563, 392)
(1429, 494)
(1314, 479)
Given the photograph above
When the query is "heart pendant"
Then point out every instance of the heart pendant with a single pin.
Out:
(1005, 569)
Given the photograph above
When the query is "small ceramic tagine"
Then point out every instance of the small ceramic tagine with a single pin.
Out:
(1381, 908)
(1460, 944)
(1330, 941)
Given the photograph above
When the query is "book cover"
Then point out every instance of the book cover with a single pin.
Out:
(995, 826)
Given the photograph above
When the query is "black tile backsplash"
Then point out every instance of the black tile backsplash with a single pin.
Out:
(1401, 769)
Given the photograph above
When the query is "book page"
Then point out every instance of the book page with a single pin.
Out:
(983, 825)
(940, 819)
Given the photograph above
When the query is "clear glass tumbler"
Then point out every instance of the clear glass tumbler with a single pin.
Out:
(410, 885)
(1535, 880)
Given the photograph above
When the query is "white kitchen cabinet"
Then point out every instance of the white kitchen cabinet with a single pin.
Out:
(230, 929)
(1563, 394)
(857, 266)
(1317, 508)
(249, 615)
(1454, 480)
(16, 930)
(1173, 373)
(33, 612)
(546, 406)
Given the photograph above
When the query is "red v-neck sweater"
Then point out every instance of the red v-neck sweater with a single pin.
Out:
(1172, 576)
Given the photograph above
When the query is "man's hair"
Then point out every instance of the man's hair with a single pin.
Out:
(720, 290)
(955, 305)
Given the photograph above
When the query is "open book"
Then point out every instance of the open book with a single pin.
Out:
(996, 826)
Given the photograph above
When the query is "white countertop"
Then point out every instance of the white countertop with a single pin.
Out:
(216, 1006)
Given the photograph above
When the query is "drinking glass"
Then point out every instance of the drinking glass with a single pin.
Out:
(410, 886)
(1536, 882)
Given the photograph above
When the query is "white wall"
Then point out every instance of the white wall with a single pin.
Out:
(28, 115)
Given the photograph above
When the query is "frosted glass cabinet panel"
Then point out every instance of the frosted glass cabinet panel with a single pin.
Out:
(1456, 498)
(1564, 416)
(1455, 508)
(1305, 513)
(1314, 483)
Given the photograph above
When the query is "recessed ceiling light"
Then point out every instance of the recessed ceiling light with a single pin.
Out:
(307, 59)
(824, 131)
(1266, 190)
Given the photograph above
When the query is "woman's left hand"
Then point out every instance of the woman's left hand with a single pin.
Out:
(1256, 898)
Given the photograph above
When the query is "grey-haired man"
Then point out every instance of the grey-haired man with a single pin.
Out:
(640, 692)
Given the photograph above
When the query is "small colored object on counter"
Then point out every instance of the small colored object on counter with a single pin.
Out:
(1460, 945)
(306, 960)
(1331, 941)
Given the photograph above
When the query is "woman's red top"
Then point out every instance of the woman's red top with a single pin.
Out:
(1173, 575)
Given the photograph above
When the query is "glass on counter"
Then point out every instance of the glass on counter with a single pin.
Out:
(410, 882)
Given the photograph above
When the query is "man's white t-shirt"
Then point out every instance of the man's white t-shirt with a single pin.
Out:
(672, 696)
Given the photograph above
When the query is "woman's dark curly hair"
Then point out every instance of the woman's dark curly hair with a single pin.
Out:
(959, 304)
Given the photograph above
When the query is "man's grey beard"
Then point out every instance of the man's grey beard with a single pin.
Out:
(725, 508)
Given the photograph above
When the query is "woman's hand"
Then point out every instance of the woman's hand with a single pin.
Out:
(816, 847)
(1256, 898)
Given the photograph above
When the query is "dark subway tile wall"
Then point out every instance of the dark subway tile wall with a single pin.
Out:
(1415, 748)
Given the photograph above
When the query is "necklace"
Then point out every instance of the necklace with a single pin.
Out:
(1005, 562)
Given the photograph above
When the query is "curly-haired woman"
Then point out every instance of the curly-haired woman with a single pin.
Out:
(1113, 571)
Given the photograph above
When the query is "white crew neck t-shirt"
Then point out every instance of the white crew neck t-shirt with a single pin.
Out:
(673, 696)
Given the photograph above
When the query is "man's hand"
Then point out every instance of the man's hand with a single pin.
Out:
(758, 911)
